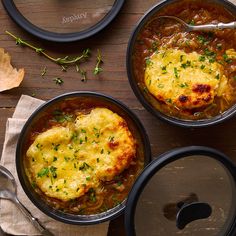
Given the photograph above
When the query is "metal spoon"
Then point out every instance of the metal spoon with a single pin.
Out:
(8, 190)
(207, 27)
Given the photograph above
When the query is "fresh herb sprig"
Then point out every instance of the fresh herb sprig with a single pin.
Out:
(82, 72)
(58, 81)
(98, 68)
(62, 61)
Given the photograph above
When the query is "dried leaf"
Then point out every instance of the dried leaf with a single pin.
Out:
(9, 77)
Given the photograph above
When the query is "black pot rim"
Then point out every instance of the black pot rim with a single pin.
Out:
(182, 123)
(69, 218)
(163, 160)
(60, 37)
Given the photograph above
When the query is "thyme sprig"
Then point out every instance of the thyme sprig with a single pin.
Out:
(58, 81)
(82, 72)
(44, 71)
(98, 68)
(62, 61)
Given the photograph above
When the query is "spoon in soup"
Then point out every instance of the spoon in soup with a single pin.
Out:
(8, 191)
(206, 27)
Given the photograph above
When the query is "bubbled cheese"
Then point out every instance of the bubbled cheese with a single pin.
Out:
(184, 80)
(65, 162)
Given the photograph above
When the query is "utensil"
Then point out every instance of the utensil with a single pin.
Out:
(207, 27)
(8, 191)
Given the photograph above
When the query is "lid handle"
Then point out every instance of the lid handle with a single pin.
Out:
(192, 211)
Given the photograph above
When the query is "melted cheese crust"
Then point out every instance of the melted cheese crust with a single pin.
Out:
(184, 80)
(65, 162)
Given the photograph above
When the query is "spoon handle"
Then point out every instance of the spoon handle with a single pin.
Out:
(37, 224)
(231, 25)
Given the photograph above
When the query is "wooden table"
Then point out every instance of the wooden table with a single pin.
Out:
(112, 81)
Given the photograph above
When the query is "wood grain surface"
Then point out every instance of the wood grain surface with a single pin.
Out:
(113, 81)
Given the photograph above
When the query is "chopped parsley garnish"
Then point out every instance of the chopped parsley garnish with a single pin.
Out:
(55, 146)
(98, 160)
(39, 146)
(183, 85)
(176, 72)
(202, 58)
(202, 67)
(111, 138)
(185, 65)
(163, 68)
(84, 166)
(181, 58)
(234, 77)
(74, 136)
(83, 130)
(202, 39)
(217, 76)
(33, 184)
(54, 159)
(210, 55)
(92, 195)
(88, 178)
(154, 46)
(160, 85)
(53, 171)
(148, 62)
(102, 151)
(192, 22)
(66, 159)
(211, 60)
(226, 58)
(61, 117)
(44, 171)
(96, 132)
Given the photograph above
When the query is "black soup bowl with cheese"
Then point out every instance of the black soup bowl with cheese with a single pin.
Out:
(185, 78)
(78, 156)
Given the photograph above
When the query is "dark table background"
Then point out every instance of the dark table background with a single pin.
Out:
(112, 81)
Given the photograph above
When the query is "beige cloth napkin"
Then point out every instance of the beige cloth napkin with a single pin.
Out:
(11, 219)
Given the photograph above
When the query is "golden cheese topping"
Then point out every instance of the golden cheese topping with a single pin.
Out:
(65, 162)
(111, 141)
(184, 80)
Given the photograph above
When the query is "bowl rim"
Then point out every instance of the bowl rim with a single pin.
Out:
(41, 33)
(44, 207)
(229, 113)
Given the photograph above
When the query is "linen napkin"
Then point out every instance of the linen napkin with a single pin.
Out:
(12, 221)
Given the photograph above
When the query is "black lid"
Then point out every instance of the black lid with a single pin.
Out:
(187, 191)
(63, 21)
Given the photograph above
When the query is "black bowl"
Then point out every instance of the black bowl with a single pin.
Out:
(137, 129)
(138, 91)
